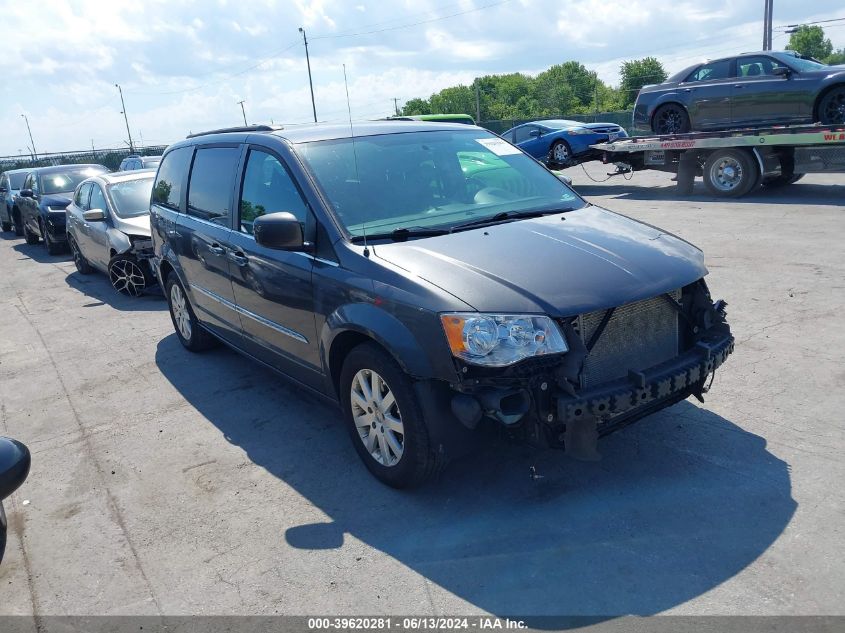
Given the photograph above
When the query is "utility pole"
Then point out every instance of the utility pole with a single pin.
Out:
(126, 119)
(34, 154)
(241, 102)
(310, 82)
(477, 102)
(396, 105)
(768, 10)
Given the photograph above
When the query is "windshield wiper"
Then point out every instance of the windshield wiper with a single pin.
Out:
(506, 216)
(401, 234)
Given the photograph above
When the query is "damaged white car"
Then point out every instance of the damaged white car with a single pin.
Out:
(108, 228)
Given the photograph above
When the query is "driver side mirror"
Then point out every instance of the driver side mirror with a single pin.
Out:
(280, 230)
(781, 71)
(26, 193)
(94, 215)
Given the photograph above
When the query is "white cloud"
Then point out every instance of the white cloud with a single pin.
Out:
(183, 64)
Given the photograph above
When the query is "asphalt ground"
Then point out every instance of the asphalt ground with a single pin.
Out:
(165, 482)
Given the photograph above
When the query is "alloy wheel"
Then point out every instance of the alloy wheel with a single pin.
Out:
(127, 277)
(560, 153)
(179, 307)
(834, 110)
(377, 417)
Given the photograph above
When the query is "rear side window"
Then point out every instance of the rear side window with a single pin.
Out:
(16, 180)
(168, 188)
(712, 71)
(212, 177)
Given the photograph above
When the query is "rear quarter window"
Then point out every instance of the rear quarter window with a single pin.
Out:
(167, 191)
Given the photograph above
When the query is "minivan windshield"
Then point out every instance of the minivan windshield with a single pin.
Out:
(437, 179)
(131, 198)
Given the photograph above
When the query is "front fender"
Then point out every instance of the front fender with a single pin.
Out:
(420, 355)
(119, 241)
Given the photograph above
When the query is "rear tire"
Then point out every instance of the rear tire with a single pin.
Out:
(190, 333)
(671, 118)
(16, 222)
(832, 107)
(730, 173)
(374, 422)
(2, 531)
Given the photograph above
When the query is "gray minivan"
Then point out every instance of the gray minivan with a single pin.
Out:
(430, 278)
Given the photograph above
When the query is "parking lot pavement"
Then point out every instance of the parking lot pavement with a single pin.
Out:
(167, 482)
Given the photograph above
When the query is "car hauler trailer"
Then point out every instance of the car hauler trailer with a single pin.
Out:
(734, 162)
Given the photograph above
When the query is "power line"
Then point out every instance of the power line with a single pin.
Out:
(792, 26)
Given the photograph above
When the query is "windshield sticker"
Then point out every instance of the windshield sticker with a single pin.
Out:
(498, 146)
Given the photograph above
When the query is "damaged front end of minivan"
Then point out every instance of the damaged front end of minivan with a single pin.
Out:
(619, 365)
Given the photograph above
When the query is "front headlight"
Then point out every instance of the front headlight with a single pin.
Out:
(497, 340)
(580, 130)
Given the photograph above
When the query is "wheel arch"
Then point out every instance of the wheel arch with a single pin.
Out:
(353, 324)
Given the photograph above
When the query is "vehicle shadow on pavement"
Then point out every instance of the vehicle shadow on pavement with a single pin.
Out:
(680, 503)
(38, 253)
(799, 193)
(97, 287)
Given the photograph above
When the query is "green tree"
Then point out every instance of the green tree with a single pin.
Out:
(567, 87)
(454, 100)
(416, 106)
(810, 42)
(638, 73)
(835, 58)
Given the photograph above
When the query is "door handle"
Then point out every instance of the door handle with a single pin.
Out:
(238, 258)
(687, 89)
(737, 85)
(216, 249)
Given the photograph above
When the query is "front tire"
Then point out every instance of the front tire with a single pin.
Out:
(7, 226)
(128, 276)
(670, 119)
(192, 336)
(832, 107)
(16, 222)
(52, 247)
(384, 419)
(730, 173)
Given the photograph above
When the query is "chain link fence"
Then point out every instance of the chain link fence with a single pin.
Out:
(110, 158)
(621, 118)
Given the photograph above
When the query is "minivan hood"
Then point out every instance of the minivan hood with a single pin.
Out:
(139, 225)
(561, 265)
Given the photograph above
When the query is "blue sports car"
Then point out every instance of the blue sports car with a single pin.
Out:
(561, 143)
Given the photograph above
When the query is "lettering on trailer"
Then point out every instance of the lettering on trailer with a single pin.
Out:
(677, 144)
(835, 137)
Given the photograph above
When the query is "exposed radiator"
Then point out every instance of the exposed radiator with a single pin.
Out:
(639, 335)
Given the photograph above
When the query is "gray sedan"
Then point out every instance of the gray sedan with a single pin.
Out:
(108, 227)
(753, 89)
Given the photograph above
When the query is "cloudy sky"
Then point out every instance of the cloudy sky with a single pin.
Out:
(183, 65)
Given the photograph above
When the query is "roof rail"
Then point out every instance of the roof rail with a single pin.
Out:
(241, 128)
